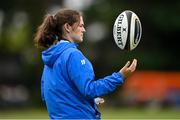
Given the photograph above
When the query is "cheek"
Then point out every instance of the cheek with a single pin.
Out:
(78, 31)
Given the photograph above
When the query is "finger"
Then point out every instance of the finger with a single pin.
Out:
(127, 64)
(133, 65)
(102, 100)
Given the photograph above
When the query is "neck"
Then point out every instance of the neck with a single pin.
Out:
(68, 38)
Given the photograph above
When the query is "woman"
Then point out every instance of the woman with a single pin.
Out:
(68, 85)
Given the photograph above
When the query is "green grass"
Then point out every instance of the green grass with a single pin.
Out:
(24, 114)
(107, 113)
(132, 113)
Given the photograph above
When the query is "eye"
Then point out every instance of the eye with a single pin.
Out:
(81, 25)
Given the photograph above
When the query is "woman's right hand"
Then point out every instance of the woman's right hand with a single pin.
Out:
(128, 69)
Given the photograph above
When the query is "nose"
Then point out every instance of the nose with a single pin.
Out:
(84, 30)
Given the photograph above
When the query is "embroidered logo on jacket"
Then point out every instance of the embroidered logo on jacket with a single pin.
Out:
(83, 62)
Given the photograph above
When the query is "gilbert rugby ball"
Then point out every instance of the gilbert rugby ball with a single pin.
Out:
(127, 30)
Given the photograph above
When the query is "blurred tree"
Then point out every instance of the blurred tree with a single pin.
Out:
(21, 19)
(157, 49)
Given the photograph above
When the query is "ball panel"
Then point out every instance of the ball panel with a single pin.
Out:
(132, 32)
(135, 32)
(138, 31)
(124, 30)
(120, 30)
(129, 16)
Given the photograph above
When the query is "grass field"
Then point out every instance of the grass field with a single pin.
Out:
(107, 113)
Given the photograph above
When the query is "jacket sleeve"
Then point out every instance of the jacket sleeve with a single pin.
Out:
(81, 73)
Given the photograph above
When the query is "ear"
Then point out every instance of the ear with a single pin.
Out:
(67, 27)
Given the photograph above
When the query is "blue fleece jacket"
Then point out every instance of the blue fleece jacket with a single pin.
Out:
(68, 84)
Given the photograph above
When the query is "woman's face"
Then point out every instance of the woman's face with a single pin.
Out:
(77, 31)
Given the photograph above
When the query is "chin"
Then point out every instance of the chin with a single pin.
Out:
(79, 41)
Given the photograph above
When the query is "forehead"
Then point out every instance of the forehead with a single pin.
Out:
(81, 20)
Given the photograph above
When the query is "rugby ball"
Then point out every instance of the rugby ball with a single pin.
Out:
(127, 30)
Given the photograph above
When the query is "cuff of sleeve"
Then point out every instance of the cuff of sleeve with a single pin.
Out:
(119, 75)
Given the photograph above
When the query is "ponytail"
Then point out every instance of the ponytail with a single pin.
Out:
(46, 35)
(52, 27)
